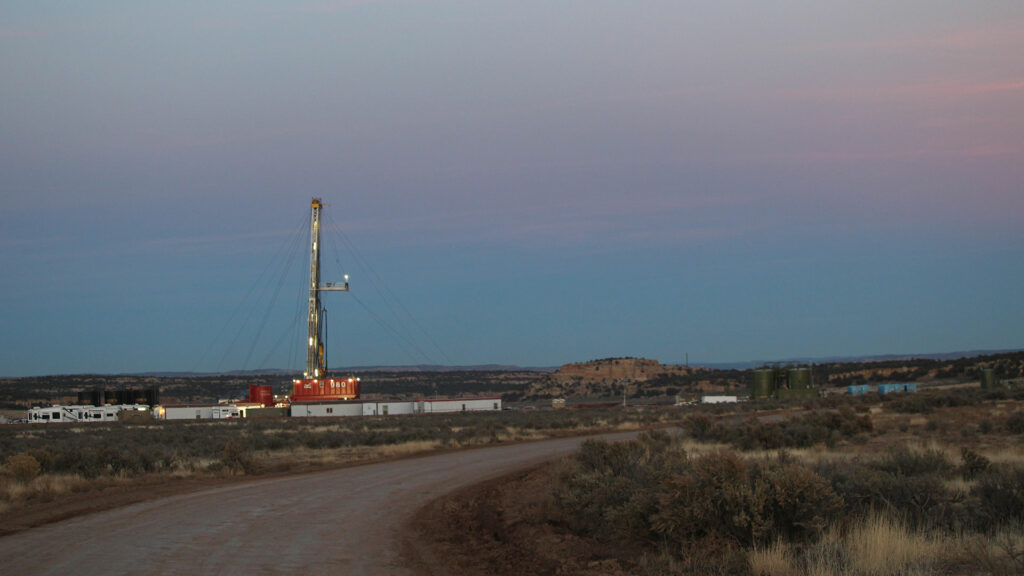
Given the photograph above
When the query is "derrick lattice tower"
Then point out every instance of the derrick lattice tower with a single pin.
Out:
(316, 383)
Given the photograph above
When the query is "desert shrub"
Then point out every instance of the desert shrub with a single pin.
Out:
(912, 404)
(801, 432)
(722, 496)
(44, 457)
(902, 461)
(927, 402)
(972, 463)
(910, 486)
(968, 431)
(610, 491)
(237, 457)
(1000, 494)
(799, 502)
(1015, 423)
(711, 498)
(986, 426)
(22, 467)
(699, 427)
(855, 481)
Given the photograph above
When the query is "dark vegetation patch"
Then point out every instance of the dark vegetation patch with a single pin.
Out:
(649, 507)
(818, 427)
(126, 449)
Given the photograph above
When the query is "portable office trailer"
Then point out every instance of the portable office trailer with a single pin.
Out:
(858, 390)
(440, 405)
(197, 412)
(326, 408)
(391, 408)
(718, 399)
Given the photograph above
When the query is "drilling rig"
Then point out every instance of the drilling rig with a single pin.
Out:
(316, 383)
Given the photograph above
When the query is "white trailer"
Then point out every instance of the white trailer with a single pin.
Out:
(80, 413)
(393, 407)
(389, 408)
(718, 399)
(441, 405)
(197, 412)
(326, 408)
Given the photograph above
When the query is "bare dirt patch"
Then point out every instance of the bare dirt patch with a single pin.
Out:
(506, 527)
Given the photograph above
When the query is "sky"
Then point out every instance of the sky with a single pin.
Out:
(513, 182)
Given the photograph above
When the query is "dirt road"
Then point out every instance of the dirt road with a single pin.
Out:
(345, 521)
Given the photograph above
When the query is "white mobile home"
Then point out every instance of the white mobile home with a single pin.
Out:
(75, 413)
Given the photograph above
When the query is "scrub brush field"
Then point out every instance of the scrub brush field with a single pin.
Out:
(926, 484)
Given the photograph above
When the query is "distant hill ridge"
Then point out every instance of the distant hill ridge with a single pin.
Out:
(745, 365)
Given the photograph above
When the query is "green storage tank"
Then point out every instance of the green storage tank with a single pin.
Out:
(764, 383)
(800, 379)
(988, 379)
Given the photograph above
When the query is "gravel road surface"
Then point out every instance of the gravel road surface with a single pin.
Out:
(346, 521)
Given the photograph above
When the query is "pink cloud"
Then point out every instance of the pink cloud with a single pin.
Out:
(1009, 86)
(909, 154)
(865, 90)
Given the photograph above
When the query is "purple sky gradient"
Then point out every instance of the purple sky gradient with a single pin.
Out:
(537, 182)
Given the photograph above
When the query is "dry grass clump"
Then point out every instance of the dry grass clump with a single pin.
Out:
(1001, 554)
(876, 546)
(773, 560)
(884, 547)
(880, 545)
(44, 488)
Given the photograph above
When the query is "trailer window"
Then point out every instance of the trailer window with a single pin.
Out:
(56, 416)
